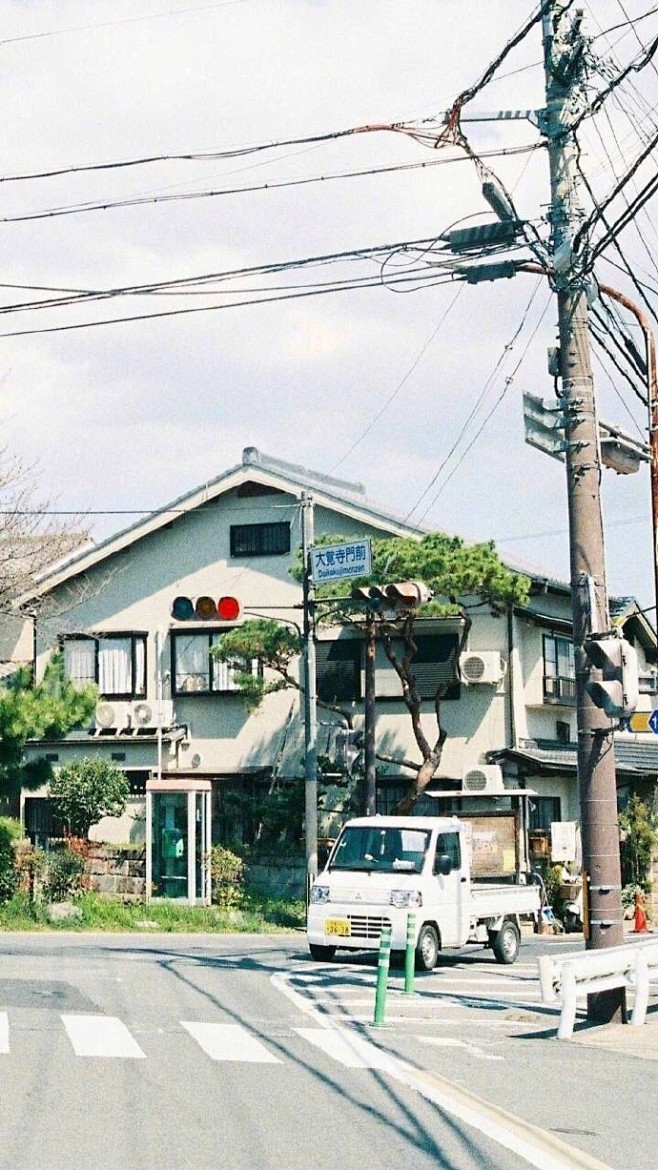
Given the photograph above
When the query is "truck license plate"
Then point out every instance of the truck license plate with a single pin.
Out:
(337, 926)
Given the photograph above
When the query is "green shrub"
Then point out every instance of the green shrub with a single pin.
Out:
(85, 791)
(638, 825)
(227, 876)
(10, 832)
(65, 875)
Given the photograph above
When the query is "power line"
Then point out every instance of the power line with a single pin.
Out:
(277, 184)
(391, 398)
(60, 32)
(507, 349)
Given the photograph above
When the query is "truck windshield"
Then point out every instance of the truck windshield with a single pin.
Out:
(388, 850)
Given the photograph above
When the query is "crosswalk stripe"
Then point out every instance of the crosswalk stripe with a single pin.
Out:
(351, 1051)
(101, 1036)
(4, 1032)
(229, 1042)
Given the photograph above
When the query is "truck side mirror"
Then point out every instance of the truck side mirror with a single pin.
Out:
(443, 864)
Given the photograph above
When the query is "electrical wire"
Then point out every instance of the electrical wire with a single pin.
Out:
(59, 32)
(391, 398)
(506, 386)
(277, 184)
(474, 410)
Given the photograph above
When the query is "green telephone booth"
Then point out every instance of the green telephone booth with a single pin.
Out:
(178, 840)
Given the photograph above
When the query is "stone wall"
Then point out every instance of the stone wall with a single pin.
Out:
(118, 871)
(277, 877)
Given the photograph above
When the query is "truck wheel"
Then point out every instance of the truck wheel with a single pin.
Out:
(505, 942)
(321, 954)
(427, 948)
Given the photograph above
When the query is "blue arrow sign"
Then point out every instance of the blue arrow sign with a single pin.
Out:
(653, 721)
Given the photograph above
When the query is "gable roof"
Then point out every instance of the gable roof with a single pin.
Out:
(328, 492)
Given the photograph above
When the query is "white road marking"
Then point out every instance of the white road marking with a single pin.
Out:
(351, 1051)
(101, 1036)
(537, 1147)
(229, 1042)
(4, 1032)
(451, 1042)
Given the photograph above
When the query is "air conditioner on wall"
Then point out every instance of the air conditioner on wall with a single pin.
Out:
(484, 778)
(481, 666)
(121, 715)
(113, 716)
(154, 713)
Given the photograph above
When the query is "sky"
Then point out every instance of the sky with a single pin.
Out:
(412, 386)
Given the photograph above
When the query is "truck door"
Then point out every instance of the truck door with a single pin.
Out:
(451, 889)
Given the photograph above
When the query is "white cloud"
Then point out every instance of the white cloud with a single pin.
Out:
(174, 400)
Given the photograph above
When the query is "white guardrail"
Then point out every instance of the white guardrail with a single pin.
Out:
(564, 978)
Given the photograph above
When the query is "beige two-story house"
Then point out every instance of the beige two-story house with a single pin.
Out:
(140, 613)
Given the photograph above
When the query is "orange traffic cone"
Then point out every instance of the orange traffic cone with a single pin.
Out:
(639, 918)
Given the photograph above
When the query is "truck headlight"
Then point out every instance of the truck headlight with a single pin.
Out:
(319, 894)
(406, 899)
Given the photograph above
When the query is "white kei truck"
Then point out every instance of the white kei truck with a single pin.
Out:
(382, 867)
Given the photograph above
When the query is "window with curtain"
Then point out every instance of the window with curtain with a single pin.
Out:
(559, 670)
(195, 670)
(115, 662)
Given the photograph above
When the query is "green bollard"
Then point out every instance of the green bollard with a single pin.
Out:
(383, 965)
(410, 954)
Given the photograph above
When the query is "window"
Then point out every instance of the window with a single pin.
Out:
(337, 670)
(195, 670)
(544, 810)
(559, 670)
(115, 662)
(433, 665)
(449, 843)
(387, 850)
(260, 540)
(563, 732)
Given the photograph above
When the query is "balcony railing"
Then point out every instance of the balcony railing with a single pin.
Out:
(560, 689)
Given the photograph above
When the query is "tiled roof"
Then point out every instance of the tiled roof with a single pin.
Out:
(639, 757)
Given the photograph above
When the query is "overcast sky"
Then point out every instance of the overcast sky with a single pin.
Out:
(413, 389)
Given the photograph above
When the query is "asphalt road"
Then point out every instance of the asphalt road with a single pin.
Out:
(177, 1051)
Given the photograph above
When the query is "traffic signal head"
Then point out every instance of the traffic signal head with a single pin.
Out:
(226, 609)
(399, 597)
(373, 596)
(615, 660)
(408, 594)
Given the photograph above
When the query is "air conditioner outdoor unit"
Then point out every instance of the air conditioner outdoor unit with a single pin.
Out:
(120, 715)
(484, 778)
(156, 713)
(113, 715)
(481, 666)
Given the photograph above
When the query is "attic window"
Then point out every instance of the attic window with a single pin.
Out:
(260, 540)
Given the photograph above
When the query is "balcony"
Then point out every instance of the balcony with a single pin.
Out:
(560, 690)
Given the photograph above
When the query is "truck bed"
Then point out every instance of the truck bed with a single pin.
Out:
(492, 901)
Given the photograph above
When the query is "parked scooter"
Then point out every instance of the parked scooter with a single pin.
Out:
(573, 912)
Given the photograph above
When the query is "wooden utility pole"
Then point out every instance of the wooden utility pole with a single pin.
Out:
(563, 49)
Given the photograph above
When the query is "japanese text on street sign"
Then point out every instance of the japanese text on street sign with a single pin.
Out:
(330, 562)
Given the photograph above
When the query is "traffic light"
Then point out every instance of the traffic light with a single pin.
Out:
(399, 597)
(616, 691)
(206, 609)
